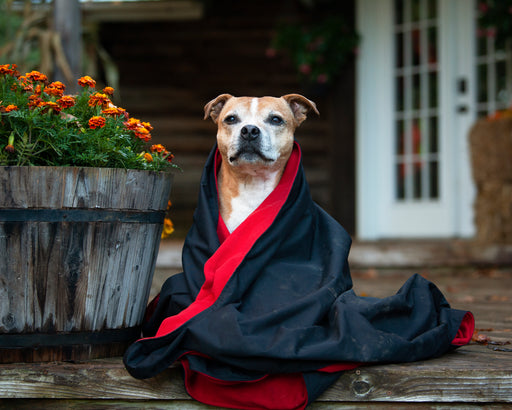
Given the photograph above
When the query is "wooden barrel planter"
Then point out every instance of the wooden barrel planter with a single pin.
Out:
(78, 248)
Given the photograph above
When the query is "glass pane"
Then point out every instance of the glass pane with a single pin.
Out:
(416, 137)
(432, 94)
(434, 180)
(400, 180)
(432, 45)
(399, 149)
(501, 83)
(417, 181)
(416, 47)
(482, 83)
(432, 9)
(415, 10)
(416, 91)
(481, 42)
(399, 11)
(400, 86)
(399, 38)
(433, 148)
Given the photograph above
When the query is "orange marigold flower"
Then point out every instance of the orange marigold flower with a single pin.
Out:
(37, 76)
(143, 134)
(11, 107)
(168, 228)
(148, 126)
(148, 157)
(56, 89)
(34, 101)
(113, 111)
(66, 101)
(140, 131)
(59, 85)
(170, 157)
(132, 123)
(98, 99)
(97, 122)
(25, 83)
(86, 81)
(108, 90)
(5, 69)
(10, 148)
(157, 148)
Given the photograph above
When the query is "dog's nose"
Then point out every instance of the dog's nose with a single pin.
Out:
(250, 132)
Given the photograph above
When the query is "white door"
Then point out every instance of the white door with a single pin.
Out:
(415, 105)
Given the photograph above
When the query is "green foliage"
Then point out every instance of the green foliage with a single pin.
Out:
(39, 125)
(318, 50)
(496, 17)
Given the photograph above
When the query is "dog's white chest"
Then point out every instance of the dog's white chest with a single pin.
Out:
(249, 198)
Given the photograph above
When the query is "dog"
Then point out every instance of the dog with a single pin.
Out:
(255, 139)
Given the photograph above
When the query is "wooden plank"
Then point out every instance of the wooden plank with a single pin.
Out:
(28, 404)
(142, 11)
(462, 376)
(472, 374)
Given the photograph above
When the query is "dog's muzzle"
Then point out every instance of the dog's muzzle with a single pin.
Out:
(249, 146)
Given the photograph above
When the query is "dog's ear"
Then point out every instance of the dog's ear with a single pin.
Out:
(214, 107)
(300, 106)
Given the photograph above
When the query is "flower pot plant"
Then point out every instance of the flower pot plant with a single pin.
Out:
(83, 204)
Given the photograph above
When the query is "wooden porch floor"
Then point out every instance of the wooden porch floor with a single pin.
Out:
(474, 376)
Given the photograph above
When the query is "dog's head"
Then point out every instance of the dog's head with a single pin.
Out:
(257, 131)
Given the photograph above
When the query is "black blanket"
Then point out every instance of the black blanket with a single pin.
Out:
(266, 317)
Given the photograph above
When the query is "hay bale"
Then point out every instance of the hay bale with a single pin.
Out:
(491, 157)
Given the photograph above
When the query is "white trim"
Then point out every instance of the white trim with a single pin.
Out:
(374, 111)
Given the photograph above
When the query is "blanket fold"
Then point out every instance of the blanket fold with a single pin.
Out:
(271, 305)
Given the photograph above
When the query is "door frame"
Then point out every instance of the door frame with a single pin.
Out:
(379, 214)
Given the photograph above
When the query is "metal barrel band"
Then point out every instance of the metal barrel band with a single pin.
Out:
(80, 215)
(35, 340)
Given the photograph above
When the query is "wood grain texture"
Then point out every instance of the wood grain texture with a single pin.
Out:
(472, 374)
(77, 276)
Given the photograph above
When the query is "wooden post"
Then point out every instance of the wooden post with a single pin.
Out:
(68, 24)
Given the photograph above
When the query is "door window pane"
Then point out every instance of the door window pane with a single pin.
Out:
(493, 71)
(433, 179)
(416, 100)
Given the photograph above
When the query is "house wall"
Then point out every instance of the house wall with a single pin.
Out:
(170, 70)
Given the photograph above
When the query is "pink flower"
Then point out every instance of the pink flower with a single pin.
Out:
(322, 78)
(483, 7)
(270, 52)
(305, 69)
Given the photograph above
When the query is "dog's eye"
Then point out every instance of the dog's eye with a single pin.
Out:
(231, 119)
(276, 120)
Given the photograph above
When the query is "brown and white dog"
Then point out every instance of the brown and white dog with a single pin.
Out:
(255, 139)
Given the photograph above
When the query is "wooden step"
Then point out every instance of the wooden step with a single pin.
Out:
(471, 375)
